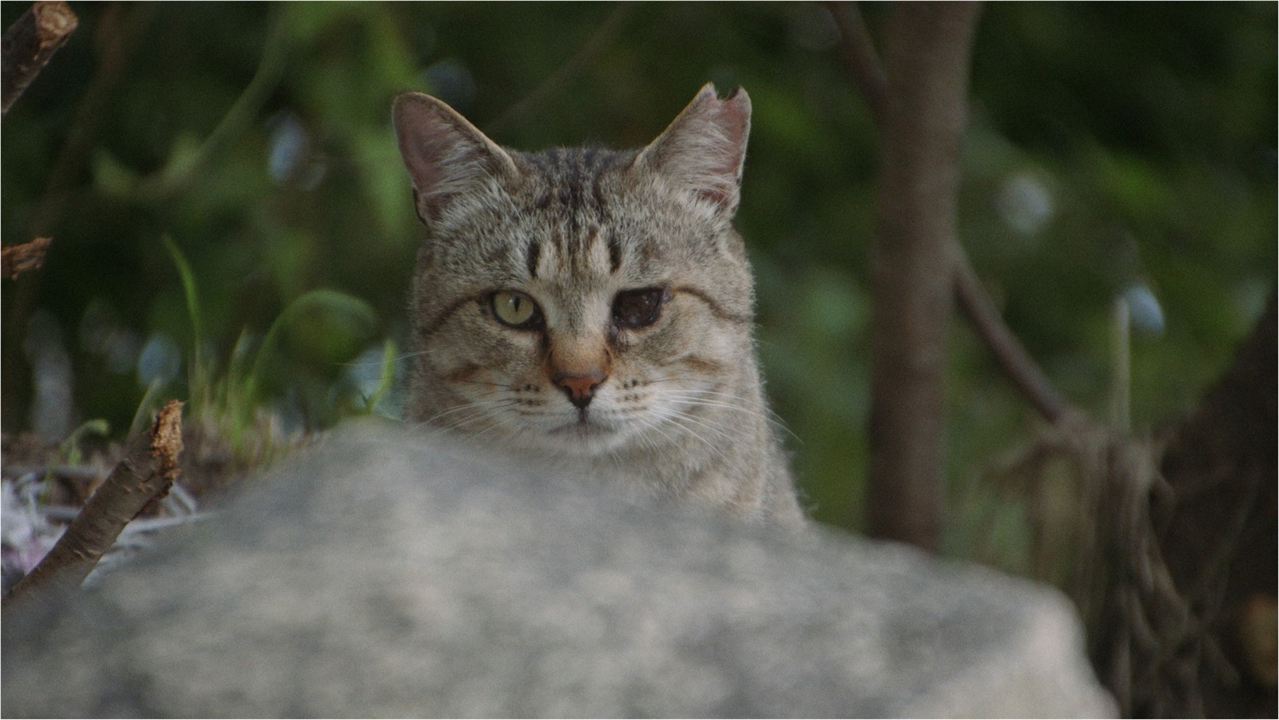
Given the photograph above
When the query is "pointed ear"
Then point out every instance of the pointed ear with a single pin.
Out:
(445, 155)
(703, 150)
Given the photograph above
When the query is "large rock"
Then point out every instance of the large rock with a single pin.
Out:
(384, 574)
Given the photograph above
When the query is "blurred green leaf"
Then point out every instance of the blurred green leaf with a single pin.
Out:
(341, 312)
(198, 378)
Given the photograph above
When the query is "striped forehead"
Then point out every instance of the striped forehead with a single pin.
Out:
(568, 197)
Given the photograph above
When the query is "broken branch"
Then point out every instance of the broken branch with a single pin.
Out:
(30, 43)
(149, 468)
(17, 259)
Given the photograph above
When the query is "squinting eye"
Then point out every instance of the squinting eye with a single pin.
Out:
(516, 310)
(639, 308)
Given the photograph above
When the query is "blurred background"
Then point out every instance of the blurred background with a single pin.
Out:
(232, 224)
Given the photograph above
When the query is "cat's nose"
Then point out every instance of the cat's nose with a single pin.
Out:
(580, 388)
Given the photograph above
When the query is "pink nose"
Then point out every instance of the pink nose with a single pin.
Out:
(580, 388)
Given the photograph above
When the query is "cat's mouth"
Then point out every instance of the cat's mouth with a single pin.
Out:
(584, 426)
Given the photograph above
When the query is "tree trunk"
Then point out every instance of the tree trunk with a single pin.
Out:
(1219, 538)
(926, 61)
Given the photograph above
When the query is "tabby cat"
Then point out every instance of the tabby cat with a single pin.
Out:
(594, 307)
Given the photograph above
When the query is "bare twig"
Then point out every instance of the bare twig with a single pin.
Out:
(30, 43)
(1163, 598)
(858, 55)
(17, 259)
(148, 469)
(1142, 632)
(1011, 355)
(594, 45)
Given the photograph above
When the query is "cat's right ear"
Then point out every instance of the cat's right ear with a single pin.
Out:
(445, 154)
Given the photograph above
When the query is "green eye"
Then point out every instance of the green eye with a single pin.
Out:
(516, 310)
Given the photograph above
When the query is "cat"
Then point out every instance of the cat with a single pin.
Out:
(594, 308)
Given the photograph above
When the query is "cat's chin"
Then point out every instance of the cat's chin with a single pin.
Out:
(584, 438)
(576, 439)
(583, 430)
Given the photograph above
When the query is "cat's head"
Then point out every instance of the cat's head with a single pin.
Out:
(579, 300)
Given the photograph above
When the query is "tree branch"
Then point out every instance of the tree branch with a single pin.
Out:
(29, 44)
(1011, 355)
(17, 259)
(149, 468)
(857, 52)
(859, 58)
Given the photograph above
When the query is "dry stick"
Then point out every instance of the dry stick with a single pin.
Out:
(17, 259)
(1011, 355)
(599, 40)
(30, 43)
(857, 53)
(148, 469)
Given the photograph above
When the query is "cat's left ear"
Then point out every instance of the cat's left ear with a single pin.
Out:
(703, 150)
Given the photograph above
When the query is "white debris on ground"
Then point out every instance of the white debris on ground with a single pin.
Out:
(30, 526)
(25, 533)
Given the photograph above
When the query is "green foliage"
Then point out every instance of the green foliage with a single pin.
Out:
(386, 378)
(198, 380)
(1109, 145)
(329, 324)
(311, 318)
(70, 449)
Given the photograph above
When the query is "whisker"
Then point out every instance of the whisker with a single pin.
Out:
(771, 416)
(676, 420)
(742, 408)
(706, 425)
(471, 412)
(655, 425)
(454, 409)
(459, 423)
(481, 383)
(487, 430)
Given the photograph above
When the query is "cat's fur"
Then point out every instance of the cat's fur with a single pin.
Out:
(676, 407)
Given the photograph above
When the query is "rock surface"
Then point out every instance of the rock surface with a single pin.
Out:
(383, 574)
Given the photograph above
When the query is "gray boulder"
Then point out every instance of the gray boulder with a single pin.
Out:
(389, 574)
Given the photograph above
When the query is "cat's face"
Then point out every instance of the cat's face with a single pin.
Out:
(578, 301)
